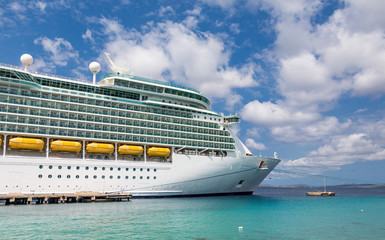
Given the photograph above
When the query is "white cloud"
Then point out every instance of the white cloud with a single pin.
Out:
(60, 50)
(374, 129)
(319, 63)
(252, 144)
(195, 12)
(340, 151)
(337, 56)
(234, 28)
(166, 11)
(88, 35)
(225, 4)
(306, 81)
(273, 115)
(173, 50)
(364, 16)
(40, 65)
(254, 132)
(17, 7)
(41, 5)
(191, 22)
(311, 131)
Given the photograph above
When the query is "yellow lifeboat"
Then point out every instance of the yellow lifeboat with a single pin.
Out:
(1, 141)
(26, 143)
(100, 148)
(130, 150)
(158, 152)
(67, 146)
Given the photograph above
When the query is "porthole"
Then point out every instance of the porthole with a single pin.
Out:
(111, 177)
(134, 169)
(77, 176)
(59, 176)
(86, 176)
(154, 169)
(69, 167)
(103, 177)
(126, 177)
(126, 169)
(95, 177)
(148, 169)
(119, 168)
(41, 166)
(77, 167)
(141, 169)
(141, 177)
(111, 168)
(118, 177)
(50, 176)
(148, 177)
(103, 168)
(95, 168)
(40, 176)
(134, 177)
(50, 167)
(87, 168)
(68, 176)
(60, 167)
(154, 177)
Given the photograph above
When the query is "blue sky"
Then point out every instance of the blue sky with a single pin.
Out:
(306, 77)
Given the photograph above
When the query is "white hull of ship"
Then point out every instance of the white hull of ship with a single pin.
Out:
(186, 175)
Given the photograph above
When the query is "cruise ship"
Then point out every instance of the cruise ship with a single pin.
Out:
(123, 134)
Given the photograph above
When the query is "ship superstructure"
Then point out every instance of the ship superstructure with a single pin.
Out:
(124, 133)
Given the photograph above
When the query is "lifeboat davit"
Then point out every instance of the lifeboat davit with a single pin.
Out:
(130, 150)
(100, 148)
(26, 143)
(158, 152)
(67, 146)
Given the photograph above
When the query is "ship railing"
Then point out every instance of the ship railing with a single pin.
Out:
(148, 80)
(44, 74)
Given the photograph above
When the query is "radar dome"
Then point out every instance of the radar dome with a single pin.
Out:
(94, 67)
(26, 60)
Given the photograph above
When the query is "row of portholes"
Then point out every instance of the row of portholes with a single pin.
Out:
(96, 168)
(95, 176)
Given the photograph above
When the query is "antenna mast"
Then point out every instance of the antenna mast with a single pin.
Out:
(113, 67)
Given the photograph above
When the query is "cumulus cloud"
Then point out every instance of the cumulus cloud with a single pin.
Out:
(317, 64)
(59, 50)
(340, 151)
(175, 52)
(312, 131)
(252, 144)
(271, 114)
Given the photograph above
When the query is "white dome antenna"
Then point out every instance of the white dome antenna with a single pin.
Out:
(94, 68)
(26, 60)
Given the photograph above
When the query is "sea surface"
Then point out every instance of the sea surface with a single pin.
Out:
(357, 212)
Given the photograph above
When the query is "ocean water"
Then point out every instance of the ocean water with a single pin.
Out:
(271, 213)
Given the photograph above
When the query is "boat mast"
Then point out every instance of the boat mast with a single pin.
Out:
(324, 185)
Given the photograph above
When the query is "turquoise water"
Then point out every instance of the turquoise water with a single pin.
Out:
(278, 217)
